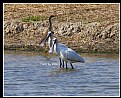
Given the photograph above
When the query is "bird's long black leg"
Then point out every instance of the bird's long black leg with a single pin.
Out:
(72, 66)
(63, 63)
(60, 62)
(66, 65)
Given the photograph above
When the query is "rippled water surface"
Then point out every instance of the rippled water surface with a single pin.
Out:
(34, 74)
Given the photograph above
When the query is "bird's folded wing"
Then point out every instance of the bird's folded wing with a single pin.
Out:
(70, 54)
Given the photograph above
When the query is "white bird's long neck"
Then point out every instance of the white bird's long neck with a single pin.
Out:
(56, 47)
(50, 42)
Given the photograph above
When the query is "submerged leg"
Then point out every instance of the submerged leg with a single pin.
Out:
(72, 66)
(60, 62)
(63, 63)
(66, 65)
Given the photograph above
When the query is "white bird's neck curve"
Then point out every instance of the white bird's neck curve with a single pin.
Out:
(56, 48)
(50, 42)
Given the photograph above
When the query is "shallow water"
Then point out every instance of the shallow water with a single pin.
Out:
(34, 74)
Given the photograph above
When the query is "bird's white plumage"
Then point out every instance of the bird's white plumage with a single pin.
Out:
(70, 55)
(66, 54)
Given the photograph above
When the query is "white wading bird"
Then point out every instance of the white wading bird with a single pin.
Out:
(65, 53)
(49, 36)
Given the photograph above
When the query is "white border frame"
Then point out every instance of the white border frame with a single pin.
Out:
(61, 3)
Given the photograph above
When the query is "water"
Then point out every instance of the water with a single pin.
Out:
(32, 74)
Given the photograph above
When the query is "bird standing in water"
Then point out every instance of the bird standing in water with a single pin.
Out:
(66, 54)
(48, 36)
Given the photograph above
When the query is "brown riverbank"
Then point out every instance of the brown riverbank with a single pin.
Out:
(83, 27)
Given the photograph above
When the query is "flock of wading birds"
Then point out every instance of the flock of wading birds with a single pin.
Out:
(65, 53)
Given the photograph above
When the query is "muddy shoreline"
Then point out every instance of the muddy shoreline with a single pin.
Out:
(86, 38)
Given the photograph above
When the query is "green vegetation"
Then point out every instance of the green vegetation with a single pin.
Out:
(33, 18)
